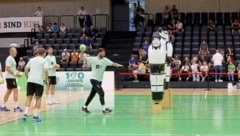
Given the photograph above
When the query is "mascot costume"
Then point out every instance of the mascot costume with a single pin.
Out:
(159, 56)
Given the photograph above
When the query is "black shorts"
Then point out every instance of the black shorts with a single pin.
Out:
(11, 83)
(33, 88)
(52, 80)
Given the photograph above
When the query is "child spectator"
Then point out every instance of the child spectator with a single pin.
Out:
(204, 70)
(185, 70)
(74, 56)
(132, 63)
(195, 71)
(21, 64)
(65, 56)
(141, 70)
(231, 70)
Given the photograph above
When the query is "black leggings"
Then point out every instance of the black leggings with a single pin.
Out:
(96, 88)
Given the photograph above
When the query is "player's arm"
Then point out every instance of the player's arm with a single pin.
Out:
(26, 69)
(117, 64)
(46, 74)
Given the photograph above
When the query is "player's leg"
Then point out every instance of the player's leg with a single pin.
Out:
(30, 92)
(101, 94)
(15, 99)
(89, 99)
(38, 97)
(52, 92)
(48, 102)
(5, 99)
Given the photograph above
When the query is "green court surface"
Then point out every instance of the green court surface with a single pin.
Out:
(191, 115)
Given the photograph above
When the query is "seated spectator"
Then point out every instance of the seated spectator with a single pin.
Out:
(85, 64)
(186, 60)
(175, 67)
(185, 71)
(204, 70)
(211, 26)
(74, 56)
(87, 41)
(49, 28)
(21, 64)
(203, 50)
(142, 69)
(238, 70)
(132, 63)
(39, 12)
(179, 26)
(63, 30)
(229, 54)
(235, 26)
(231, 70)
(172, 26)
(36, 46)
(93, 33)
(55, 28)
(171, 36)
(174, 12)
(144, 49)
(65, 56)
(195, 71)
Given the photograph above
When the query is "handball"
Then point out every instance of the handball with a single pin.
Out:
(82, 47)
(1, 80)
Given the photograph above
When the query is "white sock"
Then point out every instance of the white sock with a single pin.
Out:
(16, 104)
(52, 97)
(36, 112)
(26, 110)
(48, 97)
(103, 106)
(3, 104)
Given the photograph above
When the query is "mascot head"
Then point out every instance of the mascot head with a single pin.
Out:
(156, 41)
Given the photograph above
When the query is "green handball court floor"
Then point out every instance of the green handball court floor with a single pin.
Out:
(191, 115)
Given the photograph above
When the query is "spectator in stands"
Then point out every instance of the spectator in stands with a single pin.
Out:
(166, 15)
(235, 26)
(229, 55)
(132, 63)
(186, 60)
(88, 21)
(185, 71)
(65, 56)
(88, 42)
(81, 13)
(211, 25)
(172, 27)
(49, 28)
(203, 50)
(85, 65)
(238, 70)
(171, 36)
(217, 59)
(74, 56)
(21, 64)
(142, 69)
(195, 71)
(140, 18)
(39, 12)
(231, 70)
(143, 49)
(179, 26)
(175, 67)
(55, 28)
(204, 70)
(63, 30)
(174, 12)
(93, 33)
(36, 46)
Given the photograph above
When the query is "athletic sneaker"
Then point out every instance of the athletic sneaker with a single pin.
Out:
(17, 109)
(85, 110)
(25, 116)
(48, 102)
(36, 119)
(107, 110)
(4, 109)
(55, 102)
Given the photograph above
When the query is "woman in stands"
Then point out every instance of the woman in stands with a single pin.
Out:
(185, 71)
(204, 70)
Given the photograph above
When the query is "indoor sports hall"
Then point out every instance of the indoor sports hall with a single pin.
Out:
(75, 51)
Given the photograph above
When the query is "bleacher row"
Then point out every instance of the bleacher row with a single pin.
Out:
(201, 18)
(71, 40)
(195, 30)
